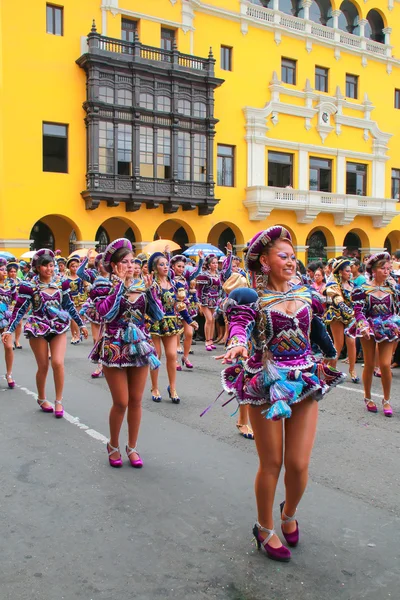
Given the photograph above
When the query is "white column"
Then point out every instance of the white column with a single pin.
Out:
(306, 5)
(362, 23)
(336, 14)
(303, 170)
(275, 5)
(378, 179)
(387, 31)
(341, 175)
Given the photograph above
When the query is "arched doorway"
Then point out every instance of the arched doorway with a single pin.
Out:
(352, 245)
(317, 244)
(130, 235)
(224, 232)
(181, 237)
(42, 236)
(102, 239)
(227, 235)
(388, 245)
(349, 18)
(375, 26)
(72, 240)
(178, 231)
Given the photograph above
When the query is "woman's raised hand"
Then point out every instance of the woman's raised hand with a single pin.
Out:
(148, 281)
(233, 354)
(229, 246)
(120, 270)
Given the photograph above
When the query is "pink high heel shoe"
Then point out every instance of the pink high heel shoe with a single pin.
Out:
(10, 381)
(114, 462)
(372, 409)
(137, 464)
(46, 409)
(97, 373)
(58, 413)
(388, 412)
(291, 538)
(281, 554)
(186, 363)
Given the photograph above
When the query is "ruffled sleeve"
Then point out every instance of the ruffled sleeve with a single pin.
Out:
(107, 298)
(154, 304)
(240, 310)
(359, 299)
(24, 300)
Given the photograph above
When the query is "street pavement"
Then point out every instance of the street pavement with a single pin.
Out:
(73, 528)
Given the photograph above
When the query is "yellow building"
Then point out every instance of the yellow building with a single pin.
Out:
(200, 120)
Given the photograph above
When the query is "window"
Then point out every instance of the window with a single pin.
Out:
(397, 98)
(288, 68)
(280, 169)
(351, 86)
(396, 184)
(184, 155)
(146, 101)
(124, 149)
(55, 148)
(124, 97)
(199, 157)
(167, 38)
(164, 104)
(146, 152)
(320, 174)
(106, 94)
(106, 147)
(225, 165)
(54, 19)
(321, 79)
(128, 30)
(226, 58)
(164, 154)
(184, 107)
(356, 179)
(199, 110)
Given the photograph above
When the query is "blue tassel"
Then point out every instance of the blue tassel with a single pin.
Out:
(61, 314)
(281, 391)
(154, 362)
(279, 410)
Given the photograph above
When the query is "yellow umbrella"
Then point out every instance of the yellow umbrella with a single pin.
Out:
(82, 252)
(159, 246)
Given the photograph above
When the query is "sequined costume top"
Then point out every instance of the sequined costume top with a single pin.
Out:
(51, 304)
(291, 372)
(78, 289)
(88, 308)
(123, 338)
(209, 285)
(375, 308)
(340, 306)
(174, 304)
(8, 296)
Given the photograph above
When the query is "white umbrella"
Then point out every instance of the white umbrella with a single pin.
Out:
(29, 254)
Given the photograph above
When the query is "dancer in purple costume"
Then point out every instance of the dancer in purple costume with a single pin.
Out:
(52, 311)
(12, 274)
(209, 291)
(375, 307)
(182, 276)
(269, 334)
(124, 347)
(8, 297)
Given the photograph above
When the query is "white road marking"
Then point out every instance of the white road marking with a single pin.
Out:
(349, 389)
(71, 419)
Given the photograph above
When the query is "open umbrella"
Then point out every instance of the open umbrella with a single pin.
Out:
(7, 255)
(159, 246)
(206, 248)
(28, 254)
(82, 252)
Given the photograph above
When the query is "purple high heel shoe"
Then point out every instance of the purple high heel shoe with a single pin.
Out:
(372, 409)
(281, 554)
(46, 409)
(117, 462)
(388, 412)
(96, 374)
(10, 381)
(291, 538)
(186, 363)
(58, 413)
(137, 464)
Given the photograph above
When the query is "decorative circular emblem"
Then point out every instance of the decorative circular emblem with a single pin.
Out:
(325, 117)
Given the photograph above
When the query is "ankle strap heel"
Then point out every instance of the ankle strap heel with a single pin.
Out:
(281, 554)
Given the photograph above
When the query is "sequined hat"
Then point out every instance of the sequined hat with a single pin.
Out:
(143, 257)
(152, 258)
(3, 262)
(178, 258)
(74, 258)
(40, 256)
(341, 264)
(209, 258)
(12, 265)
(112, 249)
(260, 240)
(61, 259)
(97, 260)
(23, 263)
(137, 261)
(369, 265)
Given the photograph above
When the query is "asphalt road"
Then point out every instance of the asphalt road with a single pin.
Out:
(73, 528)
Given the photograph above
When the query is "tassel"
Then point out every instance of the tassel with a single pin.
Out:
(61, 314)
(154, 362)
(279, 410)
(281, 391)
(212, 404)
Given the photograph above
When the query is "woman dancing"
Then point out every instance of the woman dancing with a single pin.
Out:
(78, 290)
(52, 310)
(269, 333)
(123, 346)
(339, 314)
(209, 291)
(375, 306)
(12, 274)
(8, 297)
(174, 304)
(182, 277)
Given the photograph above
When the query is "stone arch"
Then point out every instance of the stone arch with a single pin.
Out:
(176, 230)
(349, 17)
(375, 26)
(225, 232)
(102, 238)
(354, 240)
(292, 7)
(117, 227)
(392, 241)
(321, 238)
(54, 232)
(321, 12)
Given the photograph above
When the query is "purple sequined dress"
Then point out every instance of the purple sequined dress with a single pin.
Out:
(291, 373)
(375, 310)
(8, 295)
(123, 339)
